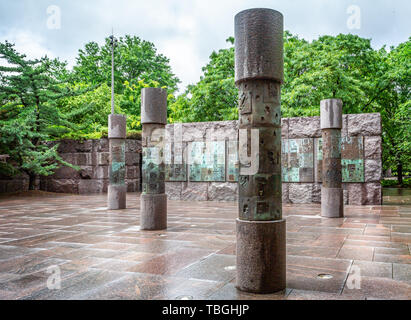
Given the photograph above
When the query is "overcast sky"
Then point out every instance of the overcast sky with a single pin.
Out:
(187, 31)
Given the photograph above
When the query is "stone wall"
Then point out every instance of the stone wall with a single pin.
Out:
(15, 184)
(367, 193)
(92, 156)
(366, 125)
(203, 191)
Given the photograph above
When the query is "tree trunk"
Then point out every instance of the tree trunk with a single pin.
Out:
(399, 172)
(32, 181)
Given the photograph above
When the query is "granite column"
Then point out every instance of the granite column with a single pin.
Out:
(261, 230)
(332, 205)
(154, 120)
(117, 189)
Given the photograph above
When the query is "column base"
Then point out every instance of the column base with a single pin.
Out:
(332, 202)
(261, 256)
(153, 212)
(116, 198)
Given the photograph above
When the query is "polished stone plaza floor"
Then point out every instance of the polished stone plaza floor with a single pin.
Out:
(101, 254)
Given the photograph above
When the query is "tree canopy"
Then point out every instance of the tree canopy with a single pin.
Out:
(392, 98)
(29, 115)
(43, 100)
(134, 59)
(137, 65)
(214, 97)
(344, 66)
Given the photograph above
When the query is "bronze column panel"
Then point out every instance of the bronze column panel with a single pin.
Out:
(261, 231)
(153, 197)
(332, 205)
(117, 189)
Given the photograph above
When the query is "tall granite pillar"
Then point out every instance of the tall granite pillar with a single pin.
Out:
(154, 120)
(117, 189)
(261, 231)
(332, 205)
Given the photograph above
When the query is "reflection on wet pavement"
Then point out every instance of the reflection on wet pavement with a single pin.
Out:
(102, 254)
(397, 196)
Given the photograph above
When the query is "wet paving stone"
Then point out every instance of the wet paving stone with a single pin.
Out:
(304, 250)
(72, 286)
(394, 251)
(103, 254)
(402, 272)
(373, 269)
(26, 283)
(303, 273)
(404, 259)
(136, 286)
(116, 265)
(229, 292)
(135, 256)
(112, 246)
(28, 264)
(231, 249)
(317, 295)
(197, 289)
(401, 237)
(356, 253)
(332, 230)
(379, 288)
(211, 268)
(172, 262)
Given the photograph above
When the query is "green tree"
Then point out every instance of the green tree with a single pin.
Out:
(130, 101)
(29, 91)
(342, 67)
(392, 98)
(88, 111)
(214, 97)
(137, 65)
(135, 60)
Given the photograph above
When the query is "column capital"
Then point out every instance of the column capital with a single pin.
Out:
(331, 114)
(259, 43)
(117, 126)
(154, 106)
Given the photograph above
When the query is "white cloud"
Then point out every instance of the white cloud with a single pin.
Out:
(34, 46)
(187, 31)
(184, 60)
